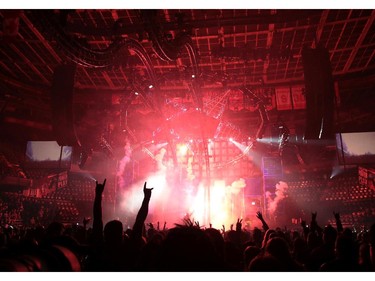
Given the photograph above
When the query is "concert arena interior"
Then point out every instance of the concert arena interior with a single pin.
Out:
(224, 113)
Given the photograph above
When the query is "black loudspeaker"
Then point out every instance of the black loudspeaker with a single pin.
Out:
(320, 93)
(62, 105)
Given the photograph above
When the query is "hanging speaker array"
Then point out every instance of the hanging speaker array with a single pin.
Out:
(320, 93)
(62, 105)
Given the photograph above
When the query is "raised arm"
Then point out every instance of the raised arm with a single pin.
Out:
(314, 223)
(238, 233)
(97, 224)
(86, 220)
(264, 224)
(338, 222)
(142, 213)
(305, 229)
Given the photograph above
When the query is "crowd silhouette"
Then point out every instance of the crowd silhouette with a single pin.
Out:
(185, 247)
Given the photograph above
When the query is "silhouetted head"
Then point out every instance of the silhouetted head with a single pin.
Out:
(329, 235)
(187, 248)
(372, 235)
(265, 263)
(349, 233)
(313, 240)
(278, 248)
(267, 236)
(345, 247)
(54, 229)
(257, 236)
(217, 239)
(250, 253)
(364, 253)
(295, 234)
(299, 245)
(230, 235)
(113, 232)
(372, 244)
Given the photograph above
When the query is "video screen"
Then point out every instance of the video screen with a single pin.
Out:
(356, 148)
(48, 153)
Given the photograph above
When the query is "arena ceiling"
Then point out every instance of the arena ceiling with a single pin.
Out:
(143, 72)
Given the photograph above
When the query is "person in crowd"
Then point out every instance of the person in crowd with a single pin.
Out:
(113, 251)
(372, 245)
(250, 253)
(257, 237)
(364, 256)
(346, 257)
(279, 248)
(187, 248)
(265, 263)
(325, 251)
(300, 252)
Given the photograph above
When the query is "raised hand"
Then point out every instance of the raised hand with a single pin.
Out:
(259, 216)
(97, 223)
(239, 224)
(100, 187)
(337, 215)
(86, 220)
(313, 216)
(223, 229)
(147, 191)
(264, 224)
(338, 221)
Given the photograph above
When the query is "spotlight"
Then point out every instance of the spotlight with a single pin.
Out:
(193, 76)
(150, 86)
(136, 93)
(90, 177)
(230, 139)
(182, 149)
